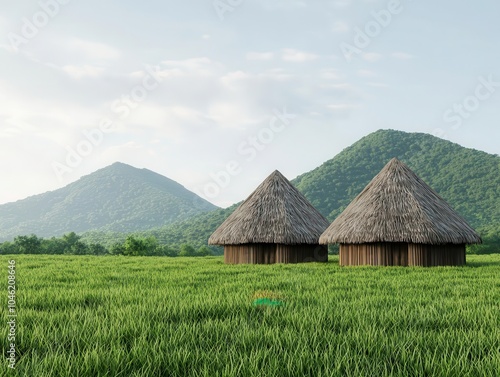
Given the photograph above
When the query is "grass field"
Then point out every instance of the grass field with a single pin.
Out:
(125, 316)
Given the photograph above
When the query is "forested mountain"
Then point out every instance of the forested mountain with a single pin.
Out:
(468, 179)
(118, 198)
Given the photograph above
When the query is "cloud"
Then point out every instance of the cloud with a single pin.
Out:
(198, 100)
(234, 77)
(79, 72)
(276, 74)
(56, 120)
(174, 122)
(402, 56)
(93, 51)
(282, 4)
(371, 56)
(329, 74)
(201, 66)
(341, 27)
(75, 57)
(232, 115)
(377, 84)
(260, 56)
(292, 55)
(342, 107)
(131, 150)
(366, 73)
(341, 3)
(7, 48)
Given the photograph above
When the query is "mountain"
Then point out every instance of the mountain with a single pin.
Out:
(194, 231)
(117, 198)
(466, 178)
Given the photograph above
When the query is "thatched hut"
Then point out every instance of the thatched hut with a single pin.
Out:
(275, 224)
(398, 220)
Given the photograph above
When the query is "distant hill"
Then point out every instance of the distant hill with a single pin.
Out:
(118, 198)
(468, 179)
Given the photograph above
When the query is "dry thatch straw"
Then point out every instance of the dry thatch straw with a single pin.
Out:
(275, 213)
(397, 206)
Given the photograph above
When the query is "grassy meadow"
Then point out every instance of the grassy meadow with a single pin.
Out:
(148, 316)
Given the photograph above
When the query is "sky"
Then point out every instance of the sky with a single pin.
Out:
(217, 94)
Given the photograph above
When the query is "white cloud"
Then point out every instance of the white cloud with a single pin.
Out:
(341, 3)
(276, 74)
(192, 63)
(292, 55)
(329, 74)
(341, 27)
(75, 57)
(199, 99)
(282, 4)
(131, 149)
(7, 48)
(377, 84)
(402, 55)
(25, 114)
(235, 76)
(231, 115)
(202, 66)
(371, 56)
(366, 73)
(171, 121)
(79, 72)
(94, 51)
(342, 107)
(260, 56)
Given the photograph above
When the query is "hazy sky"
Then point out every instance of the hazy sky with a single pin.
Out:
(203, 90)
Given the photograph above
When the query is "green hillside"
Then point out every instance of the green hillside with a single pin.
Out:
(468, 179)
(118, 198)
(194, 231)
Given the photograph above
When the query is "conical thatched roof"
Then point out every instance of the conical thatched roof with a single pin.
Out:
(276, 212)
(397, 206)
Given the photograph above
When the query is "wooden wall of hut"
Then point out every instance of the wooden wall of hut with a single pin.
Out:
(436, 255)
(271, 253)
(401, 254)
(250, 253)
(301, 253)
(375, 254)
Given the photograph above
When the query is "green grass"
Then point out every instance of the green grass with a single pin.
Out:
(125, 316)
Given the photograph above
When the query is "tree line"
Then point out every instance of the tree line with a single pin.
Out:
(72, 244)
(491, 241)
(137, 245)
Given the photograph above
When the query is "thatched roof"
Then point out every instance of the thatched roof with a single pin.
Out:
(276, 212)
(397, 206)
